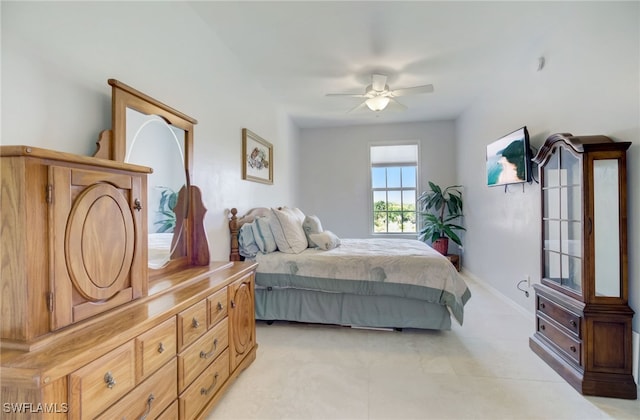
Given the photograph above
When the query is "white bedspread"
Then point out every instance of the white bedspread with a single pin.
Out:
(401, 261)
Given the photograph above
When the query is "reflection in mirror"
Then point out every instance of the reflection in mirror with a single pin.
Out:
(152, 142)
(606, 212)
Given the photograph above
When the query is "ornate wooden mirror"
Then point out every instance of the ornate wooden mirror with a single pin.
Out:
(150, 133)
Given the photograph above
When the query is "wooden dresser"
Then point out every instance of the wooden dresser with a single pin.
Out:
(84, 333)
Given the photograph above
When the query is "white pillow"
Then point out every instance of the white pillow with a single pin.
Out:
(311, 225)
(325, 240)
(263, 235)
(296, 212)
(287, 231)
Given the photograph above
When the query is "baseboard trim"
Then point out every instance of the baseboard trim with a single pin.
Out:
(489, 288)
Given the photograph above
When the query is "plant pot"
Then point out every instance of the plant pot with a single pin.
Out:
(441, 245)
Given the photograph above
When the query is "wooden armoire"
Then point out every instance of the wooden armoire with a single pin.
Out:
(88, 329)
(583, 320)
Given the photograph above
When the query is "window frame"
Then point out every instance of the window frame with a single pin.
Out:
(372, 190)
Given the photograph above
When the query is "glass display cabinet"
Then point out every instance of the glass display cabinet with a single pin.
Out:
(583, 320)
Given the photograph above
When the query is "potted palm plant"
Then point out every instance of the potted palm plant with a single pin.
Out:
(165, 215)
(439, 209)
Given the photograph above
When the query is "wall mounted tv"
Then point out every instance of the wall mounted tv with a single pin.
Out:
(509, 159)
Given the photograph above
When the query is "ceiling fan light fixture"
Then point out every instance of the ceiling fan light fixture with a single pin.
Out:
(377, 103)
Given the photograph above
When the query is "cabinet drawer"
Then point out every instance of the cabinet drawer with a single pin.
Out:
(148, 399)
(569, 346)
(102, 382)
(562, 316)
(156, 347)
(192, 323)
(170, 413)
(217, 305)
(198, 356)
(204, 387)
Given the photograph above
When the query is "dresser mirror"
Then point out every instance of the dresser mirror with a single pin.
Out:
(152, 142)
(149, 133)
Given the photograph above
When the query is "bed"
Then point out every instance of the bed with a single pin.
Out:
(374, 282)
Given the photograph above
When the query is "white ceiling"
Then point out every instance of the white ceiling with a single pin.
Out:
(300, 51)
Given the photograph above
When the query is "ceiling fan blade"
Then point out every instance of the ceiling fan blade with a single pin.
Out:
(357, 108)
(412, 90)
(378, 82)
(350, 95)
(393, 104)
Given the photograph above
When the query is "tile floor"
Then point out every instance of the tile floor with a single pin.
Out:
(482, 370)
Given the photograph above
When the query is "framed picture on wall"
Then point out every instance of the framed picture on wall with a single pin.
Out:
(257, 158)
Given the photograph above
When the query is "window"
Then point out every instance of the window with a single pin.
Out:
(394, 175)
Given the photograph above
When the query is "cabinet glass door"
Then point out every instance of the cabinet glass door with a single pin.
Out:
(606, 227)
(562, 220)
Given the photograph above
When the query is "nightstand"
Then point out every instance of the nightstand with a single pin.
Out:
(455, 260)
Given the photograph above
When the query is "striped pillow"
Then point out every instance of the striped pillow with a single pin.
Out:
(263, 235)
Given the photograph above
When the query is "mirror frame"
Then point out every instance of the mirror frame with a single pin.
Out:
(112, 145)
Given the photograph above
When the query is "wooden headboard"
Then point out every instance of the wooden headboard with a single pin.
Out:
(235, 223)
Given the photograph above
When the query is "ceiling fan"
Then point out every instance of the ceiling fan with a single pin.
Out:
(378, 95)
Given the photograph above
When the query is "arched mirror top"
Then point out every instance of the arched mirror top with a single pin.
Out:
(148, 132)
(114, 143)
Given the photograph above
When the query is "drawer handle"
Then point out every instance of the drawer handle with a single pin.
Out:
(573, 323)
(213, 385)
(109, 380)
(573, 348)
(137, 204)
(204, 355)
(542, 305)
(195, 323)
(161, 347)
(148, 410)
(542, 327)
(233, 304)
(220, 307)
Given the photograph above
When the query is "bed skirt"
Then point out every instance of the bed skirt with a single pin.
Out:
(301, 305)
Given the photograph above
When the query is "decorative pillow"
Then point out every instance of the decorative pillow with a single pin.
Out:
(296, 212)
(263, 235)
(311, 225)
(287, 231)
(325, 240)
(248, 247)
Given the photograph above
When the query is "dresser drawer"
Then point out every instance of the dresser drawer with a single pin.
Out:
(569, 346)
(156, 347)
(102, 382)
(217, 306)
(562, 316)
(192, 323)
(171, 413)
(200, 355)
(149, 399)
(204, 387)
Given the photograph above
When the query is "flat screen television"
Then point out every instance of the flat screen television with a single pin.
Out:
(509, 159)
